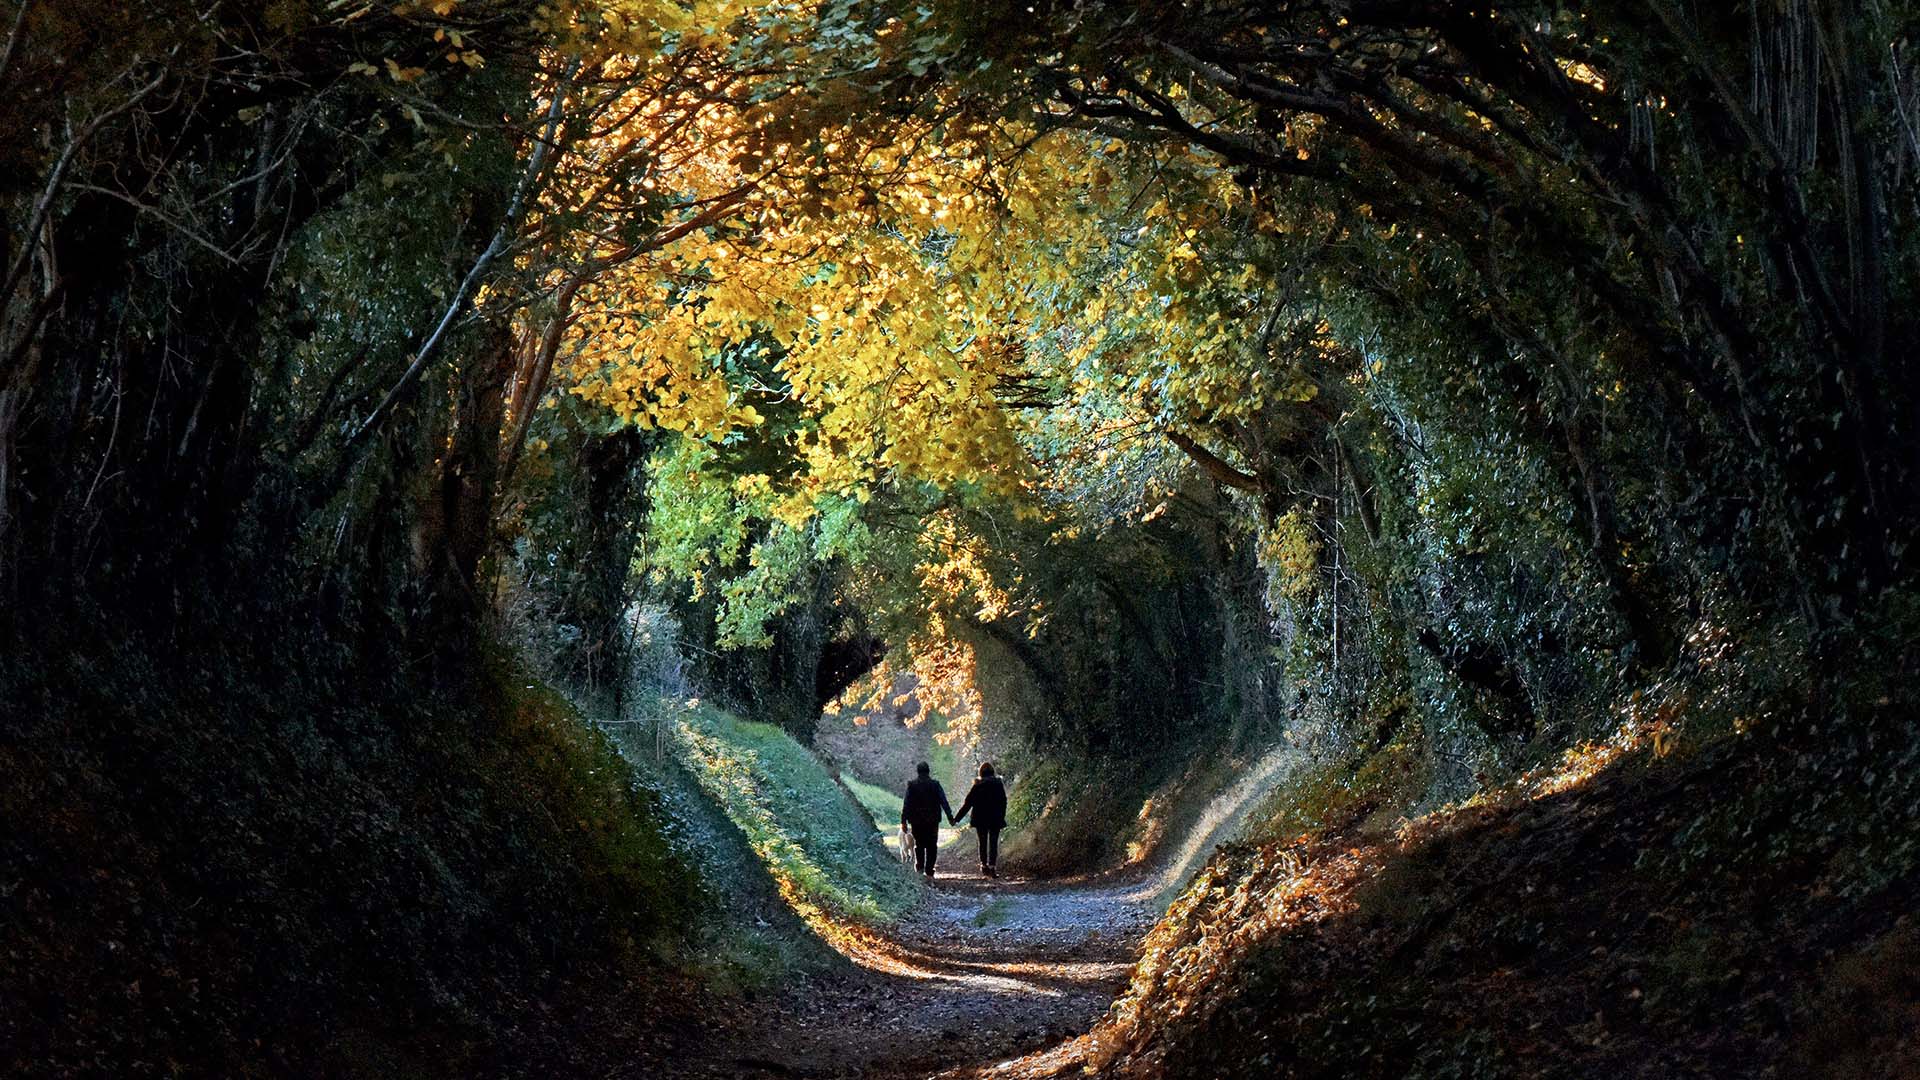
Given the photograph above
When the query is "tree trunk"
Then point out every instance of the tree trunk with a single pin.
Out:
(468, 470)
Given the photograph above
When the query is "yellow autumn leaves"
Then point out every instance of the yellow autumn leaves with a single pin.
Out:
(878, 284)
(872, 284)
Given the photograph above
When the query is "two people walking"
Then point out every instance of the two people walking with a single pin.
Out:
(926, 801)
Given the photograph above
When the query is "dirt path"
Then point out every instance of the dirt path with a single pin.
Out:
(979, 971)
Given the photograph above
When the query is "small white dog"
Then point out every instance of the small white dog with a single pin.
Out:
(906, 845)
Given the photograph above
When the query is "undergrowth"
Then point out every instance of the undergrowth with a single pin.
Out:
(255, 855)
(1079, 814)
(1375, 788)
(755, 942)
(1724, 888)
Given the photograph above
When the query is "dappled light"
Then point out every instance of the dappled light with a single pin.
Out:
(887, 957)
(1219, 821)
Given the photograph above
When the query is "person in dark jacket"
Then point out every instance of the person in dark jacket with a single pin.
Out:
(988, 803)
(926, 800)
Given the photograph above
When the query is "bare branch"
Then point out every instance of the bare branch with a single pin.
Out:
(14, 37)
(57, 175)
(1215, 466)
(536, 164)
(164, 218)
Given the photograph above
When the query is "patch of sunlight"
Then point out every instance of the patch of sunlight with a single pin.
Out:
(810, 836)
(876, 952)
(880, 804)
(1084, 972)
(1217, 823)
(1152, 825)
(1051, 1062)
(1224, 915)
(1646, 721)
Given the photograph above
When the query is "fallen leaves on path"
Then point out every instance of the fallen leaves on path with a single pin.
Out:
(979, 971)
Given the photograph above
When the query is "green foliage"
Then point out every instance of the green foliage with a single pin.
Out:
(756, 942)
(1039, 785)
(573, 517)
(1077, 814)
(758, 599)
(1337, 793)
(251, 289)
(611, 824)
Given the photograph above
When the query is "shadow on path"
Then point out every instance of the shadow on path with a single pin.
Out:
(978, 972)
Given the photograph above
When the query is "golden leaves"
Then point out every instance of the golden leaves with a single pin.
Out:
(896, 278)
(875, 298)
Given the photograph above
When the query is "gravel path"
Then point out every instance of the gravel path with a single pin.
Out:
(980, 971)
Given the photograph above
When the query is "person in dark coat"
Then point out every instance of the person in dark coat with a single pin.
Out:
(988, 803)
(926, 801)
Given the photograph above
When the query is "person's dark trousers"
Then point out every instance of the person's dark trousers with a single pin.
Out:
(926, 849)
(989, 845)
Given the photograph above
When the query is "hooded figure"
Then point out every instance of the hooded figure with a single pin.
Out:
(988, 803)
(926, 801)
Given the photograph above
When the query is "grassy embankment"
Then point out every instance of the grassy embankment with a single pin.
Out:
(819, 844)
(882, 805)
(1081, 815)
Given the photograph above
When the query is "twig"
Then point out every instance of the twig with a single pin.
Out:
(178, 226)
(44, 205)
(310, 430)
(14, 37)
